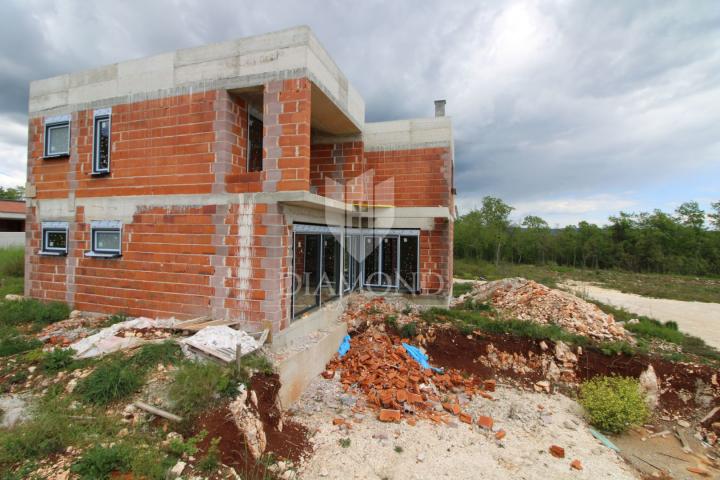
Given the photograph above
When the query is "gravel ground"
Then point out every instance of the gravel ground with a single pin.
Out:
(696, 318)
(533, 423)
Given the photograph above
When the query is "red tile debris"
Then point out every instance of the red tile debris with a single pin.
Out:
(576, 464)
(378, 366)
(389, 415)
(465, 417)
(500, 435)
(485, 422)
(556, 451)
(489, 385)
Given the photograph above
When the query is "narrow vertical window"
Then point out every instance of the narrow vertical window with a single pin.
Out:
(101, 142)
(57, 137)
(255, 144)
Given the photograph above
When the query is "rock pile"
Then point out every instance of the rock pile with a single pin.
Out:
(397, 386)
(528, 300)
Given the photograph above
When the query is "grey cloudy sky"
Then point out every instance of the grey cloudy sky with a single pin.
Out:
(566, 109)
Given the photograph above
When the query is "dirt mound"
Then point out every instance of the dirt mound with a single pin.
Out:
(528, 300)
(283, 437)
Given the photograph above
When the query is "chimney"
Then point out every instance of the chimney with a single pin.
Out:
(439, 108)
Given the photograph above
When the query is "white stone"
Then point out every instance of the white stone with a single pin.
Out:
(650, 386)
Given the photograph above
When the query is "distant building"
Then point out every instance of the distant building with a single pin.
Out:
(12, 222)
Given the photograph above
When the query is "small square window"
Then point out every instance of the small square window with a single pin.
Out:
(101, 142)
(106, 239)
(255, 144)
(57, 138)
(54, 238)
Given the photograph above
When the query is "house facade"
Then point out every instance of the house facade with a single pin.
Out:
(237, 180)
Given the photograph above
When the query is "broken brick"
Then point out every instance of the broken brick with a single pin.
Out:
(699, 471)
(557, 451)
(500, 434)
(328, 374)
(453, 408)
(465, 417)
(389, 415)
(489, 385)
(402, 395)
(338, 421)
(576, 464)
(411, 421)
(485, 422)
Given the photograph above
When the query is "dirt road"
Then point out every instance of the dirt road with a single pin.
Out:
(695, 318)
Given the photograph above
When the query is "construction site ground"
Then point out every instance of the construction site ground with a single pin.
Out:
(499, 400)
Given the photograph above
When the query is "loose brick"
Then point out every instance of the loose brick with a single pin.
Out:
(338, 421)
(489, 385)
(453, 408)
(576, 464)
(557, 451)
(485, 422)
(465, 417)
(500, 434)
(387, 415)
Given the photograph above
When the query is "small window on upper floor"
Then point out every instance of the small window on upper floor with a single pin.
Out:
(57, 137)
(255, 144)
(106, 239)
(101, 142)
(54, 238)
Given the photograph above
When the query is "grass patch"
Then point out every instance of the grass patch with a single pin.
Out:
(20, 312)
(197, 385)
(11, 285)
(114, 379)
(409, 330)
(460, 288)
(57, 359)
(99, 462)
(12, 261)
(150, 355)
(211, 461)
(12, 342)
(613, 404)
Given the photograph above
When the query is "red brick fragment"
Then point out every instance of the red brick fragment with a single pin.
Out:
(576, 464)
(402, 395)
(485, 422)
(389, 415)
(338, 421)
(500, 435)
(328, 374)
(557, 451)
(489, 385)
(453, 408)
(465, 417)
(699, 471)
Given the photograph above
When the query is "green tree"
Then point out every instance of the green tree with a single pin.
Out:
(494, 216)
(715, 216)
(12, 193)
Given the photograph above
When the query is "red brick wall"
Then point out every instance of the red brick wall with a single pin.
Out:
(436, 258)
(46, 276)
(286, 136)
(336, 171)
(422, 177)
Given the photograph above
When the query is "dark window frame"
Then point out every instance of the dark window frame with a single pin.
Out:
(106, 251)
(53, 125)
(254, 164)
(96, 143)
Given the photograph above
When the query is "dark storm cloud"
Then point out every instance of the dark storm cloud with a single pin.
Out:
(565, 108)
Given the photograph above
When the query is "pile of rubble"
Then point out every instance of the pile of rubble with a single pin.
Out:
(398, 387)
(78, 326)
(528, 300)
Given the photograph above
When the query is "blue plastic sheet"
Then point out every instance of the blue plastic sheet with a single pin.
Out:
(419, 357)
(344, 346)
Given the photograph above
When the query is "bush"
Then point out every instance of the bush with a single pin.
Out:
(197, 385)
(613, 404)
(409, 330)
(18, 312)
(57, 359)
(99, 462)
(12, 343)
(211, 461)
(111, 381)
(12, 262)
(167, 353)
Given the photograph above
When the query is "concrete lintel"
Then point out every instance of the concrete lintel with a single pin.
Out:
(408, 134)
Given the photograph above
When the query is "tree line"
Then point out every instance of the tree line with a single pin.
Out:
(686, 241)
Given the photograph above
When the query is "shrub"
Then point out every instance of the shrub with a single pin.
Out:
(10, 344)
(18, 312)
(409, 330)
(391, 322)
(210, 462)
(57, 359)
(179, 447)
(111, 381)
(613, 404)
(167, 353)
(12, 262)
(99, 462)
(197, 385)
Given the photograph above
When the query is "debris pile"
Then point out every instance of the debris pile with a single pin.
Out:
(397, 386)
(65, 332)
(528, 300)
(113, 338)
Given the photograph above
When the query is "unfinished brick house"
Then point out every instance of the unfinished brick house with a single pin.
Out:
(237, 180)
